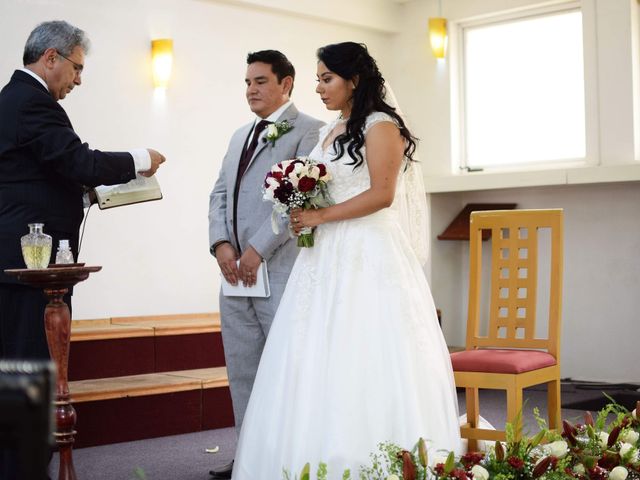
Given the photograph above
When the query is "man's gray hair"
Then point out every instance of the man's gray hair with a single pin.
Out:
(57, 34)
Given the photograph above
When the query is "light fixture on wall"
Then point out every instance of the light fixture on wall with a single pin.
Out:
(438, 33)
(161, 60)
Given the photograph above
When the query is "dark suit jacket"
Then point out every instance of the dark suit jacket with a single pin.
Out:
(43, 168)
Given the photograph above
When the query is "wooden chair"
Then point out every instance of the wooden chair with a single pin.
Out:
(510, 356)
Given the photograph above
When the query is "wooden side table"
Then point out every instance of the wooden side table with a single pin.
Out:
(56, 282)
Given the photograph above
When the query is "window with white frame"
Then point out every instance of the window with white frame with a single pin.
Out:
(522, 91)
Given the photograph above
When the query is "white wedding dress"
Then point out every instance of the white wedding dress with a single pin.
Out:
(355, 355)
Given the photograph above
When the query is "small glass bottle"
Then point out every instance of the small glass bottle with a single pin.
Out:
(36, 247)
(64, 254)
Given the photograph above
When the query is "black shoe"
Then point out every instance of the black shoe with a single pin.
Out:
(223, 472)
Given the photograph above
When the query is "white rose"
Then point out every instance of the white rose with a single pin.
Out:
(626, 448)
(618, 473)
(630, 436)
(393, 476)
(314, 172)
(479, 472)
(272, 130)
(579, 469)
(558, 448)
(634, 414)
(604, 439)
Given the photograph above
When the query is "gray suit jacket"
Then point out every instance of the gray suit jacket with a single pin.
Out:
(254, 214)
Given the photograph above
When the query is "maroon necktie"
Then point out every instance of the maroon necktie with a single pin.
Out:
(247, 154)
(245, 158)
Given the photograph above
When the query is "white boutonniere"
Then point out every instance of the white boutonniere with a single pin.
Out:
(276, 130)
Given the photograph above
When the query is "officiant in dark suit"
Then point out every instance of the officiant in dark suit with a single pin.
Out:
(44, 171)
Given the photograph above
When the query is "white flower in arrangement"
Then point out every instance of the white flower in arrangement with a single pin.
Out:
(626, 449)
(393, 476)
(630, 436)
(557, 449)
(618, 473)
(604, 439)
(479, 472)
(579, 469)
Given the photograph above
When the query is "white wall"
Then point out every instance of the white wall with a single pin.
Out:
(155, 256)
(602, 225)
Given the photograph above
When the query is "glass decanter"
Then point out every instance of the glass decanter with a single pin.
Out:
(36, 247)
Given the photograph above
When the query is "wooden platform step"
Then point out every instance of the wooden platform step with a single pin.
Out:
(113, 347)
(135, 407)
(147, 384)
(146, 326)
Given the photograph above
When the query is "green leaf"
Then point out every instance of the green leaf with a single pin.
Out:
(450, 463)
(304, 474)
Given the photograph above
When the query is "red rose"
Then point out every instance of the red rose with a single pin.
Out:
(323, 169)
(306, 184)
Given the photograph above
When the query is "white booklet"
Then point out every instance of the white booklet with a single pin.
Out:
(140, 189)
(260, 289)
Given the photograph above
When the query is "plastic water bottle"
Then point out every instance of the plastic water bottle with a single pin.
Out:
(64, 254)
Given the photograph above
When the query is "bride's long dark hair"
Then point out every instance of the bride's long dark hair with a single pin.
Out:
(352, 61)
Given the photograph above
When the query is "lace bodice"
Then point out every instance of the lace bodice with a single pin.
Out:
(409, 207)
(346, 182)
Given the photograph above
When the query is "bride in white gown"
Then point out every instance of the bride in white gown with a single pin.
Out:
(355, 355)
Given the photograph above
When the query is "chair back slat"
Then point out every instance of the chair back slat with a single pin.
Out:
(513, 290)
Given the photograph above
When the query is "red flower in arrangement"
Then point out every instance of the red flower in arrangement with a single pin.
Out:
(516, 462)
(472, 458)
(459, 473)
(306, 184)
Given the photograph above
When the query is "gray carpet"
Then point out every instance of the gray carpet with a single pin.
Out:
(183, 457)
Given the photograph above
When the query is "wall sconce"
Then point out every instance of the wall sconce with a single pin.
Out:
(438, 36)
(161, 61)
(438, 33)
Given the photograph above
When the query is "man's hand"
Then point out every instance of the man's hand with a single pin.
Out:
(248, 268)
(156, 159)
(227, 257)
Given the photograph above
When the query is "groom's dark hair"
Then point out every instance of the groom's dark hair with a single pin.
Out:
(280, 65)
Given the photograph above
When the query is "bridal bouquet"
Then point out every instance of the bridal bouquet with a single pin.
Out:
(297, 183)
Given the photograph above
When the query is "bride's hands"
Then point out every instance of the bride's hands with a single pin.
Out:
(299, 219)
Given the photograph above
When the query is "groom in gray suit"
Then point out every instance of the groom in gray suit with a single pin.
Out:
(240, 231)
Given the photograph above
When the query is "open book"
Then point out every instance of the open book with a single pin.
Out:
(140, 189)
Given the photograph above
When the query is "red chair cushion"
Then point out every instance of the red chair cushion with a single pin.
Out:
(501, 361)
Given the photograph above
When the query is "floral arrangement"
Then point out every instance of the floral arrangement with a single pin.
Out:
(587, 451)
(605, 448)
(276, 130)
(297, 183)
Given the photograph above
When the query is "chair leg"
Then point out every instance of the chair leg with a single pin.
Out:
(473, 414)
(514, 410)
(553, 404)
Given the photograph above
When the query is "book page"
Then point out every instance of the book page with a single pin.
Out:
(260, 289)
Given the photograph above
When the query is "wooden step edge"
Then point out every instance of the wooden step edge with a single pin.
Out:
(147, 384)
(107, 333)
(193, 318)
(179, 324)
(144, 326)
(211, 377)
